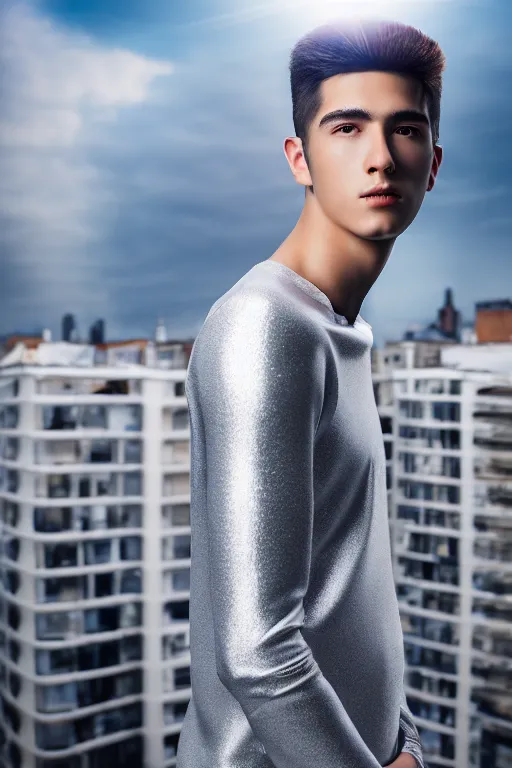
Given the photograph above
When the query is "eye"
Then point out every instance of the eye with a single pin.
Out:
(340, 128)
(416, 131)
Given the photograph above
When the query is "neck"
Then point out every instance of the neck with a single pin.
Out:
(341, 264)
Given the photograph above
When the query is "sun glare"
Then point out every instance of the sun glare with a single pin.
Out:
(312, 12)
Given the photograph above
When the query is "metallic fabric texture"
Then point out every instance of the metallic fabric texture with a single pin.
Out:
(297, 656)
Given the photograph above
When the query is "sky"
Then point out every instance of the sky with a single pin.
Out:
(142, 171)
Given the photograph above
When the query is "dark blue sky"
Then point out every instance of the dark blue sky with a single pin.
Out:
(142, 172)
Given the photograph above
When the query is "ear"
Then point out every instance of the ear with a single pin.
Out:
(294, 153)
(436, 162)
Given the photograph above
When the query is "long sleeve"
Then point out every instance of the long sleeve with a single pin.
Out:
(410, 738)
(259, 384)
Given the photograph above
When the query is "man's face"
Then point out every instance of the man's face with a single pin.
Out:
(348, 155)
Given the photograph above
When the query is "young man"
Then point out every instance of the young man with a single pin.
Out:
(297, 655)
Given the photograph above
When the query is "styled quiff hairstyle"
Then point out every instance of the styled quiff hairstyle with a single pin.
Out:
(344, 47)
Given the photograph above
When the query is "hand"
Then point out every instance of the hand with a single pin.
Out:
(404, 760)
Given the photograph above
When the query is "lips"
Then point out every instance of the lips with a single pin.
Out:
(383, 194)
(384, 190)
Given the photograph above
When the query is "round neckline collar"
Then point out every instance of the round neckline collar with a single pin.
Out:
(313, 290)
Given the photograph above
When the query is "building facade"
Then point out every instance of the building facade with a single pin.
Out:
(95, 566)
(95, 549)
(448, 432)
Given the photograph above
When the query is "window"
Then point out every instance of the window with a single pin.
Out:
(132, 484)
(181, 579)
(97, 552)
(60, 555)
(131, 548)
(131, 581)
(57, 698)
(133, 452)
(182, 546)
(55, 735)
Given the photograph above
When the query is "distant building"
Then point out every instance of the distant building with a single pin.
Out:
(449, 319)
(97, 332)
(161, 332)
(69, 330)
(494, 321)
(448, 327)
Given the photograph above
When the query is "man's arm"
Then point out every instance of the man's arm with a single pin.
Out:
(260, 385)
(410, 735)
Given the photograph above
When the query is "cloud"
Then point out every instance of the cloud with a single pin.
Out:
(59, 93)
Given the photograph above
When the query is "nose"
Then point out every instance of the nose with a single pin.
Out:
(379, 156)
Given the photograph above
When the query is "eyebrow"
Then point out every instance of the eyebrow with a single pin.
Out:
(356, 113)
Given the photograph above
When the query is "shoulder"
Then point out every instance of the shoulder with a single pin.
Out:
(260, 337)
(263, 315)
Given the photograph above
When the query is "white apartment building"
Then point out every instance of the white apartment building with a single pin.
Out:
(95, 565)
(95, 554)
(448, 434)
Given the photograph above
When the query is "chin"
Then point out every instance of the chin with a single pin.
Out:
(382, 232)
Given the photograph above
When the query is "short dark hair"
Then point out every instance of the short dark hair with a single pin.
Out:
(344, 47)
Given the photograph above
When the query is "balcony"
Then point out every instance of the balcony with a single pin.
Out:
(174, 712)
(494, 703)
(64, 590)
(9, 447)
(60, 555)
(430, 658)
(493, 582)
(9, 415)
(9, 513)
(176, 485)
(114, 418)
(98, 552)
(489, 610)
(176, 547)
(175, 581)
(430, 629)
(497, 550)
(98, 620)
(175, 679)
(174, 646)
(433, 492)
(491, 675)
(492, 642)
(88, 693)
(65, 735)
(428, 437)
(175, 419)
(84, 658)
(84, 386)
(128, 752)
(493, 469)
(11, 716)
(87, 451)
(436, 746)
(175, 514)
(440, 549)
(91, 518)
(175, 611)
(171, 746)
(445, 715)
(428, 599)
(176, 452)
(59, 625)
(429, 465)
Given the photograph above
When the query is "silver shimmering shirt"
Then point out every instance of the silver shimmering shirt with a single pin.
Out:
(297, 656)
